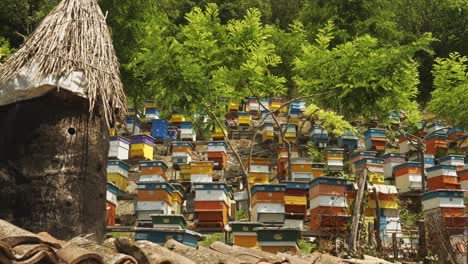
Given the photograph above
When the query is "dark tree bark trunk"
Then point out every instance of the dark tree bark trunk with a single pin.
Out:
(53, 166)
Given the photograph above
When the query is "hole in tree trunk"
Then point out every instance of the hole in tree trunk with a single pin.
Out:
(71, 131)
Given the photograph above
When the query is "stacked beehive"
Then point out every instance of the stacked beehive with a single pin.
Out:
(133, 122)
(187, 132)
(319, 136)
(259, 170)
(111, 203)
(212, 204)
(327, 204)
(442, 177)
(153, 198)
(282, 154)
(289, 132)
(217, 152)
(201, 172)
(172, 133)
(244, 233)
(219, 132)
(142, 147)
(453, 160)
(295, 200)
(177, 198)
(117, 173)
(182, 152)
(268, 203)
(359, 155)
(268, 131)
(348, 141)
(387, 196)
(408, 177)
(153, 171)
(274, 239)
(301, 170)
(445, 208)
(390, 161)
(375, 139)
(150, 110)
(437, 139)
(176, 118)
(159, 129)
(374, 166)
(334, 159)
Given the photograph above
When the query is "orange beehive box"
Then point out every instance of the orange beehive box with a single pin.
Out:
(258, 161)
(154, 195)
(443, 182)
(219, 159)
(384, 196)
(212, 216)
(328, 218)
(268, 197)
(111, 208)
(210, 205)
(182, 149)
(295, 209)
(201, 167)
(407, 170)
(323, 189)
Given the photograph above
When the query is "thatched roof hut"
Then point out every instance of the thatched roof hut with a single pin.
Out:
(71, 49)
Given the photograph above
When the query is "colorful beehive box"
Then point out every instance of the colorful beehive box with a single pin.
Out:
(161, 236)
(387, 195)
(374, 167)
(187, 132)
(438, 128)
(462, 142)
(219, 132)
(141, 147)
(174, 221)
(436, 142)
(318, 169)
(111, 203)
(159, 129)
(133, 124)
(243, 119)
(301, 169)
(295, 199)
(327, 204)
(117, 173)
(406, 144)
(259, 170)
(264, 104)
(212, 204)
(455, 132)
(268, 203)
(334, 159)
(172, 132)
(176, 118)
(201, 171)
(429, 159)
(244, 234)
(181, 153)
(390, 161)
(455, 160)
(233, 106)
(445, 205)
(217, 152)
(282, 154)
(275, 103)
(463, 178)
(319, 136)
(251, 105)
(375, 139)
(153, 198)
(119, 147)
(274, 239)
(358, 155)
(153, 171)
(177, 201)
(408, 177)
(184, 172)
(268, 132)
(289, 132)
(349, 140)
(150, 111)
(442, 177)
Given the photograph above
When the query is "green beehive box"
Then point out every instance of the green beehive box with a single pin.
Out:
(168, 221)
(277, 234)
(241, 227)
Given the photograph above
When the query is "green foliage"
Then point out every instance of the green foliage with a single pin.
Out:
(315, 153)
(241, 215)
(210, 239)
(329, 120)
(305, 246)
(370, 79)
(5, 50)
(409, 219)
(451, 90)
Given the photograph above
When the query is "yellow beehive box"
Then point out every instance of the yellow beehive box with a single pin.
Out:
(119, 180)
(185, 172)
(258, 177)
(218, 133)
(247, 241)
(384, 204)
(141, 151)
(233, 106)
(294, 120)
(201, 167)
(296, 200)
(177, 118)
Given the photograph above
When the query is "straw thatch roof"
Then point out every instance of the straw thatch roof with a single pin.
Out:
(72, 40)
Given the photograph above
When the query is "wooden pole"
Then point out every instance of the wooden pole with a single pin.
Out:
(357, 210)
(377, 221)
(395, 246)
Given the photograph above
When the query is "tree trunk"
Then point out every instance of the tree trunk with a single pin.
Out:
(53, 166)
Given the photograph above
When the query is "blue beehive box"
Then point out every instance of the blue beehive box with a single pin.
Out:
(161, 236)
(159, 129)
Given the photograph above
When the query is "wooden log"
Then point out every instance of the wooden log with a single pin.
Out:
(160, 255)
(76, 255)
(12, 236)
(245, 255)
(357, 211)
(126, 246)
(108, 255)
(202, 255)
